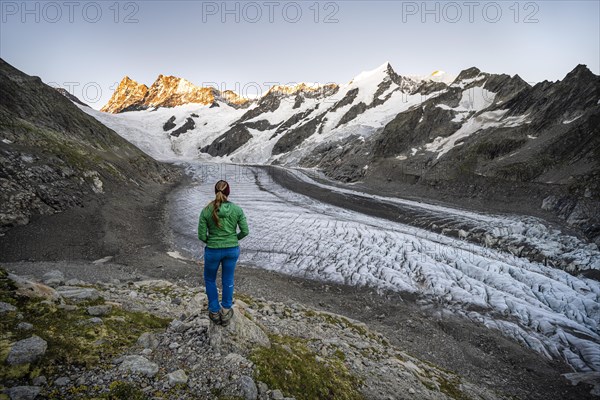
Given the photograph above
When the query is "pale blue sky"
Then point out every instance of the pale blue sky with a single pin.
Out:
(190, 40)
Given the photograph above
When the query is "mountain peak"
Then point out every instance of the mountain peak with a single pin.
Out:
(468, 73)
(127, 94)
(580, 72)
(376, 75)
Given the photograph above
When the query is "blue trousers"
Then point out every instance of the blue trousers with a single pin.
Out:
(212, 259)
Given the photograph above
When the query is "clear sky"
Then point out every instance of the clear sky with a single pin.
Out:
(90, 46)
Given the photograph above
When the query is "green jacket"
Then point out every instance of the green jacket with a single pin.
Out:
(230, 217)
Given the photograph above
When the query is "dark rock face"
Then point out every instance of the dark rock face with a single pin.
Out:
(352, 113)
(188, 125)
(345, 159)
(346, 100)
(53, 156)
(228, 142)
(269, 103)
(261, 125)
(298, 101)
(170, 124)
(294, 137)
(294, 119)
(412, 128)
(504, 86)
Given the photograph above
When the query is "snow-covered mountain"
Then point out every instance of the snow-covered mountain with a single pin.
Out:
(281, 126)
(478, 135)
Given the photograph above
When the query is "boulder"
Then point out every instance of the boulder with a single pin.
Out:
(53, 278)
(23, 392)
(244, 388)
(177, 377)
(27, 350)
(6, 308)
(62, 381)
(139, 365)
(99, 311)
(39, 380)
(24, 326)
(197, 305)
(77, 293)
(148, 340)
(30, 289)
(240, 334)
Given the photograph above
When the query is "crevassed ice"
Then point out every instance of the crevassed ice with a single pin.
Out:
(546, 309)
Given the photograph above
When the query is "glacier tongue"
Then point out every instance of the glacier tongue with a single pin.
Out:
(546, 309)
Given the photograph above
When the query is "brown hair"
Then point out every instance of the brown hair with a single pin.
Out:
(221, 192)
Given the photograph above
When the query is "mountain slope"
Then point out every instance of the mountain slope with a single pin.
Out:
(53, 156)
(482, 137)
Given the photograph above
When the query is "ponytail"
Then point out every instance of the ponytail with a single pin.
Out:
(221, 193)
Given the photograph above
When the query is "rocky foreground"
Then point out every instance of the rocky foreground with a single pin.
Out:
(152, 339)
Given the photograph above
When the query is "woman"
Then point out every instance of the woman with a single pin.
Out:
(217, 228)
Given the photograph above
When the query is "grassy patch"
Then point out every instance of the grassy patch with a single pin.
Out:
(124, 391)
(246, 299)
(446, 382)
(343, 323)
(451, 388)
(292, 367)
(71, 338)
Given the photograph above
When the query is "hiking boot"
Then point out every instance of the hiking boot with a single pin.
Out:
(226, 314)
(215, 317)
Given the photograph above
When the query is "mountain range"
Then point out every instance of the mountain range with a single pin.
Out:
(478, 137)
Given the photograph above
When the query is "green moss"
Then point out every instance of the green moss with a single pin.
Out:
(292, 367)
(342, 322)
(429, 385)
(124, 391)
(7, 289)
(310, 313)
(71, 338)
(246, 299)
(87, 303)
(445, 381)
(451, 388)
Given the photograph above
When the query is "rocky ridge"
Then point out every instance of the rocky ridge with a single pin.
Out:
(167, 91)
(152, 339)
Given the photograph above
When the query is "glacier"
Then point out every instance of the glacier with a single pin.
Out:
(545, 309)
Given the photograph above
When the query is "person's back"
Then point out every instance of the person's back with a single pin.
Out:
(217, 227)
(230, 215)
